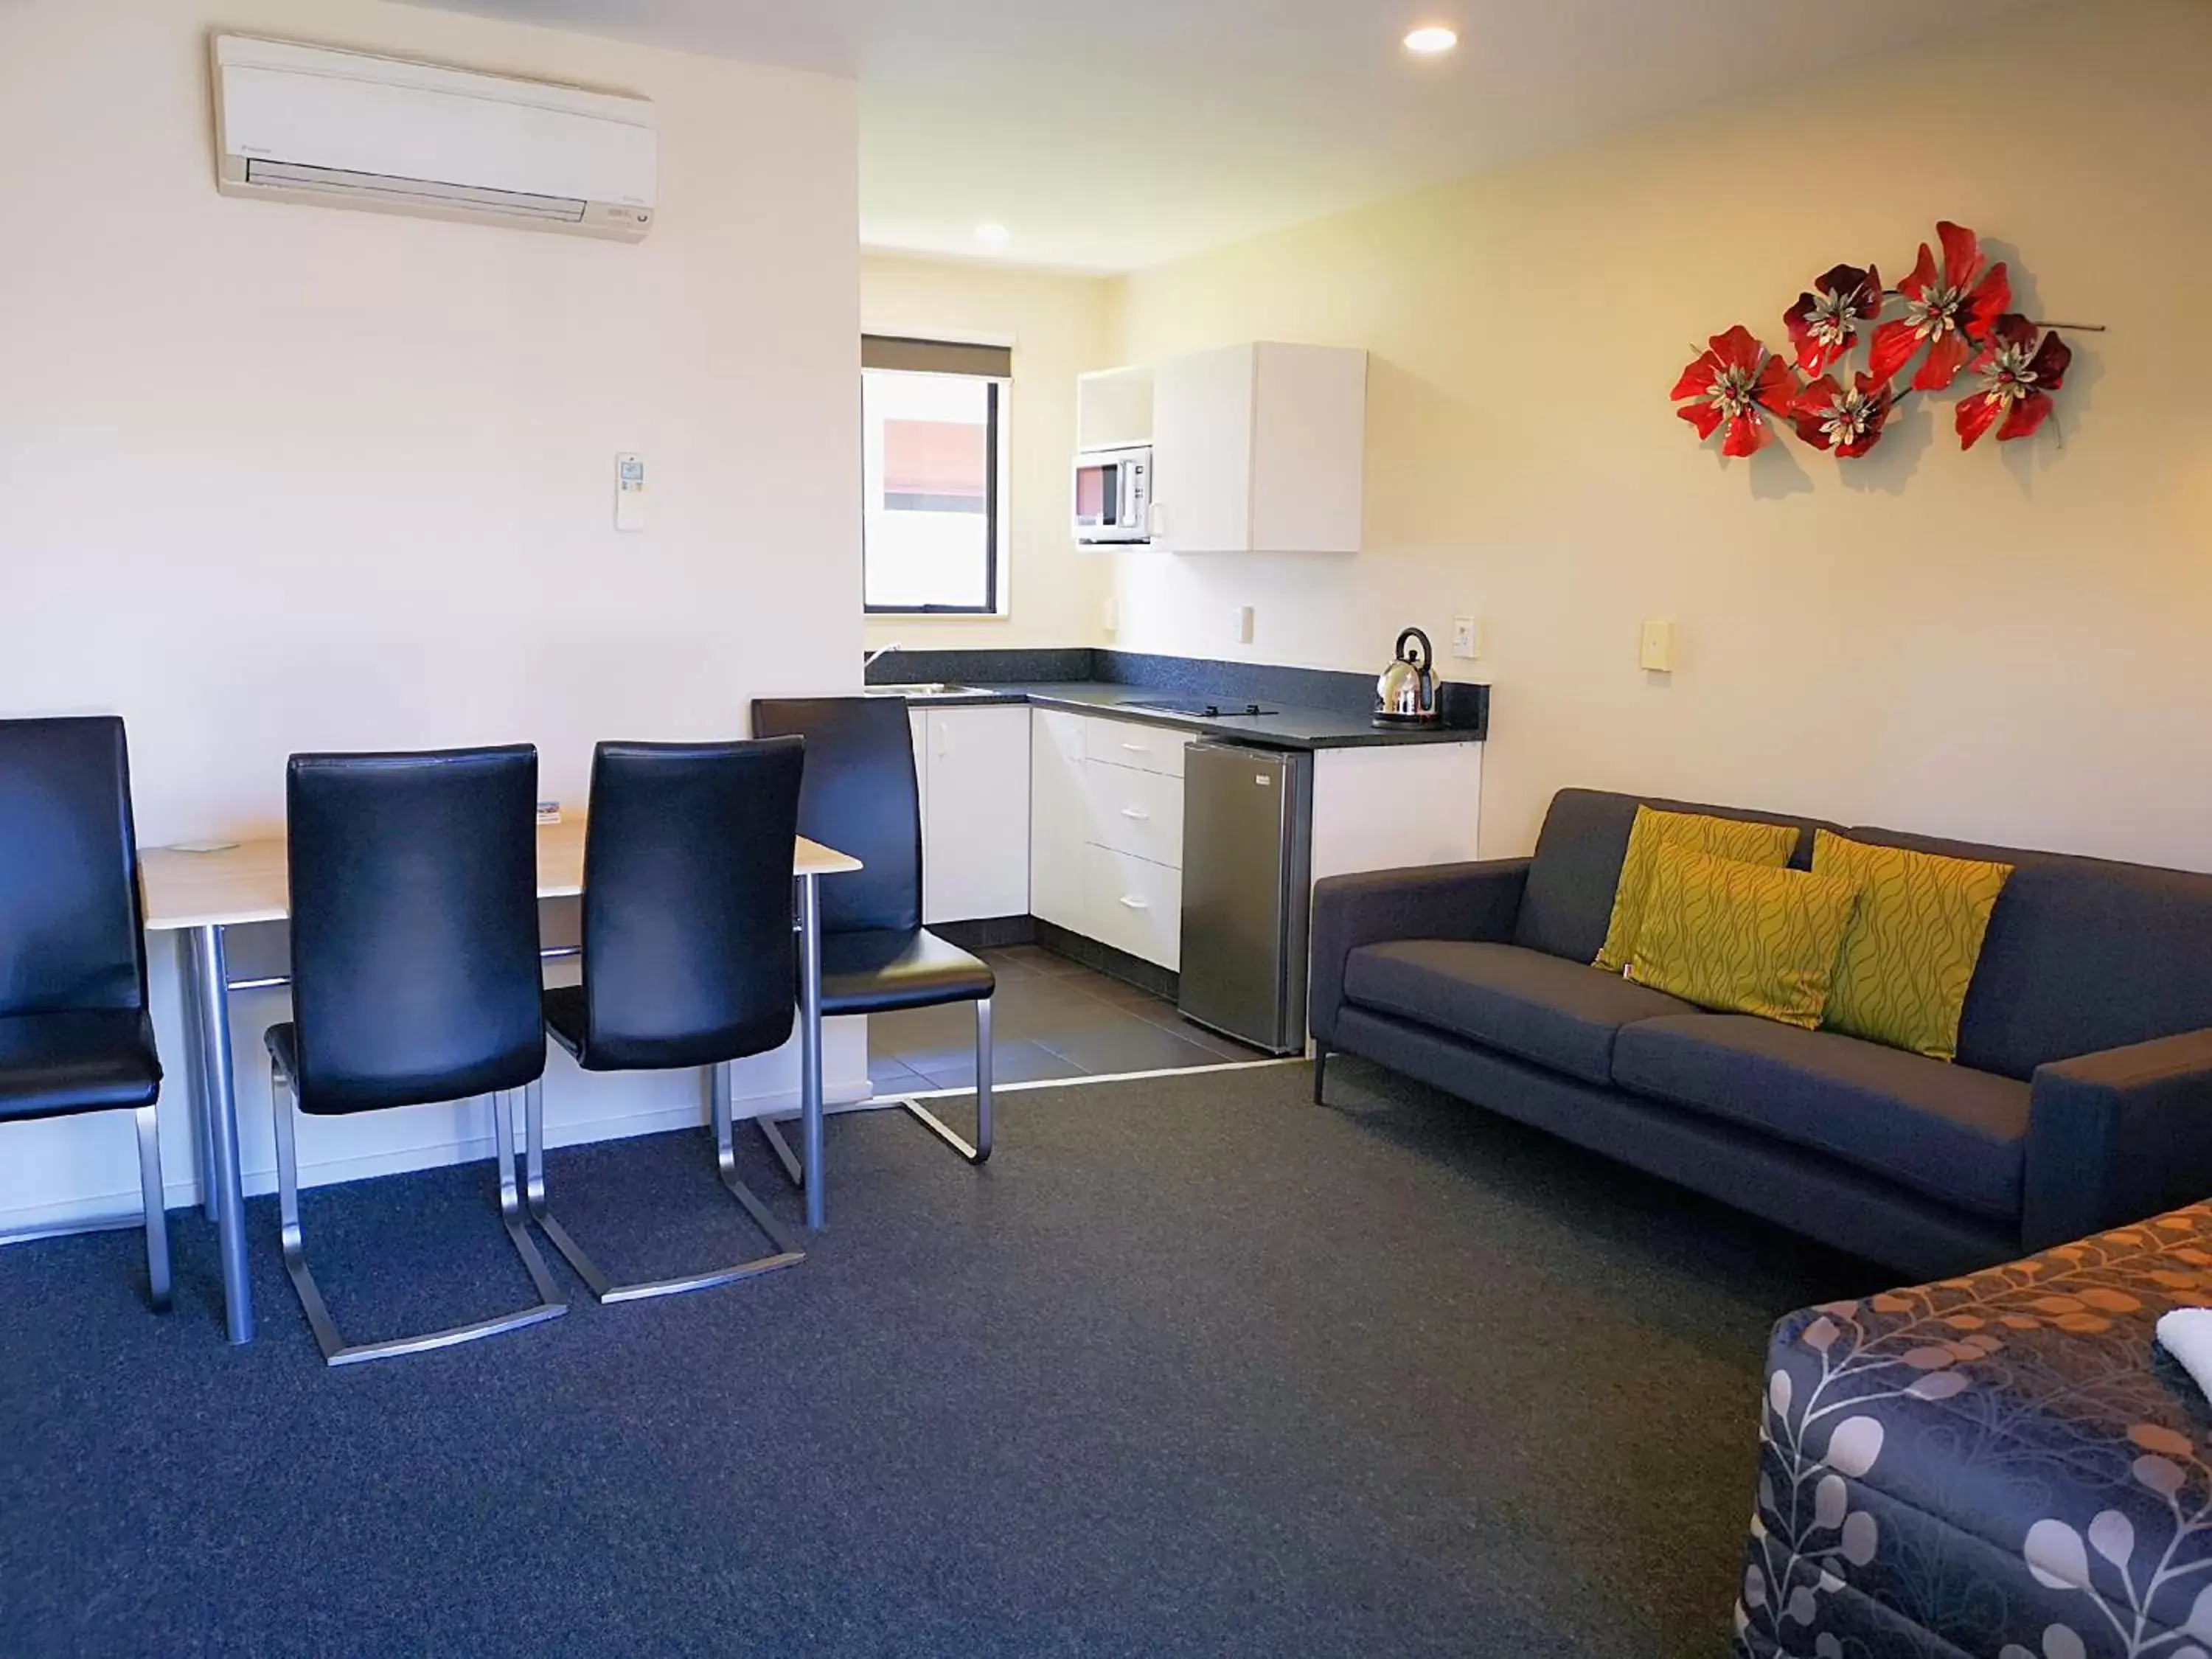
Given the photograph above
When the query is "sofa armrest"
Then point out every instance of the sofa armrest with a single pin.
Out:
(1441, 901)
(2116, 1136)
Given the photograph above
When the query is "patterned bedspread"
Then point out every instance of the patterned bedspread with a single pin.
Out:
(2005, 1465)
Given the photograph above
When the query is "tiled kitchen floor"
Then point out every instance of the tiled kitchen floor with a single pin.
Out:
(1052, 1018)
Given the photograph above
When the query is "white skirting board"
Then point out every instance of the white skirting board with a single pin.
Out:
(62, 1173)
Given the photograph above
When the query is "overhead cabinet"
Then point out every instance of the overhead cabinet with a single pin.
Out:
(1260, 448)
(1256, 448)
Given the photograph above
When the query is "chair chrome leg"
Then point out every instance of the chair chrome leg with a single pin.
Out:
(772, 1132)
(335, 1350)
(980, 1152)
(157, 1211)
(785, 1254)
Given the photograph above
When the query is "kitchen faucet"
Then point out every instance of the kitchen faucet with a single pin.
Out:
(869, 661)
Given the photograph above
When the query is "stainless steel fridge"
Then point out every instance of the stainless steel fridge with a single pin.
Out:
(1247, 891)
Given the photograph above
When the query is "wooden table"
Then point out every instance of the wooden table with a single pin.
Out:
(200, 895)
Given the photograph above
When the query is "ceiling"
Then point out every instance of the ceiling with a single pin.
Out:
(1107, 137)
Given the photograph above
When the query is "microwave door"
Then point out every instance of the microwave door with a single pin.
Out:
(1095, 493)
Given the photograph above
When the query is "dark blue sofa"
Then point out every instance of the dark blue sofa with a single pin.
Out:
(2081, 1097)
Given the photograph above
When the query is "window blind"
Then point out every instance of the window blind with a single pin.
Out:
(936, 356)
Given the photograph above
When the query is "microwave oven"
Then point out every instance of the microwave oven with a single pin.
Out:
(1113, 495)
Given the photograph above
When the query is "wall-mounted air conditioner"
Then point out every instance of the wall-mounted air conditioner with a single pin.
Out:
(342, 129)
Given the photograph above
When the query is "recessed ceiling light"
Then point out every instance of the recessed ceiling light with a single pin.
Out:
(992, 235)
(1431, 41)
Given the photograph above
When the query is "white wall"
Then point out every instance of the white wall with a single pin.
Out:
(279, 477)
(1059, 326)
(2009, 644)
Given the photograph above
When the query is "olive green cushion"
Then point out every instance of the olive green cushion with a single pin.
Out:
(1769, 844)
(1741, 938)
(1909, 952)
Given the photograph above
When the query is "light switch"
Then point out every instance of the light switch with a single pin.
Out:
(1466, 637)
(1240, 623)
(1657, 652)
(629, 492)
(1112, 617)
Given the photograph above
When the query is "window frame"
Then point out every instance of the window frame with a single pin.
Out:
(997, 507)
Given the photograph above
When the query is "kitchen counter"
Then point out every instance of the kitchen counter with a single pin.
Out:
(1288, 727)
(1295, 723)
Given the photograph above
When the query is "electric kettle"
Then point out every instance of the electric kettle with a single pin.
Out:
(1405, 695)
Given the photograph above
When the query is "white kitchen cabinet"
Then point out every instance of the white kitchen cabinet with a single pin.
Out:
(1060, 818)
(1139, 813)
(1132, 743)
(1113, 407)
(1136, 906)
(1106, 830)
(1260, 448)
(972, 767)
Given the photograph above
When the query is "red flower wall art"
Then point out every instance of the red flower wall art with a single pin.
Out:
(1824, 325)
(1847, 420)
(2018, 377)
(1953, 315)
(1735, 381)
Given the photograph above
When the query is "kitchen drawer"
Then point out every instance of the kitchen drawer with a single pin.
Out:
(1136, 813)
(1135, 905)
(1128, 743)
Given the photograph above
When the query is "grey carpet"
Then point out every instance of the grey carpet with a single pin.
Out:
(1194, 1367)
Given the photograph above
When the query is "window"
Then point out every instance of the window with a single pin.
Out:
(933, 513)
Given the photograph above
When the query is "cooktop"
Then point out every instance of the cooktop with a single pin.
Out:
(1197, 709)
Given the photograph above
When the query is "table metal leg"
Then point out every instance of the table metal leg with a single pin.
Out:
(188, 984)
(809, 1044)
(210, 999)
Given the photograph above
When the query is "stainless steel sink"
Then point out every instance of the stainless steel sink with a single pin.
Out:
(922, 688)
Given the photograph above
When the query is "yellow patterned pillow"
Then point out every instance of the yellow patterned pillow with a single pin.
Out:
(1743, 938)
(1768, 844)
(1909, 952)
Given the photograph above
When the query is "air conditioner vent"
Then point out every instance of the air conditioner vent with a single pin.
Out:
(427, 192)
(306, 123)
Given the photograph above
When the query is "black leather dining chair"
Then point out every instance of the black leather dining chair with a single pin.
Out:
(861, 797)
(415, 974)
(687, 953)
(75, 1033)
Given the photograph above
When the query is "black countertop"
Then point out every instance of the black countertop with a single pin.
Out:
(1324, 722)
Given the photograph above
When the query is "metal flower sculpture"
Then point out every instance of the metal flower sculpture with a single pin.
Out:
(1846, 419)
(1952, 316)
(1738, 381)
(1824, 325)
(2018, 377)
(1950, 313)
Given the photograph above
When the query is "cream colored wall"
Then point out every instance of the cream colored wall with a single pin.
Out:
(276, 477)
(2014, 644)
(1061, 327)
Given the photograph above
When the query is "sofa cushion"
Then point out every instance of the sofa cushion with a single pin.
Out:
(2081, 955)
(1579, 852)
(1948, 1131)
(1741, 938)
(1524, 1003)
(1651, 835)
(1909, 952)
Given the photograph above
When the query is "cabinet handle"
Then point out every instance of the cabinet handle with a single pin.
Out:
(1132, 812)
(1134, 903)
(1138, 748)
